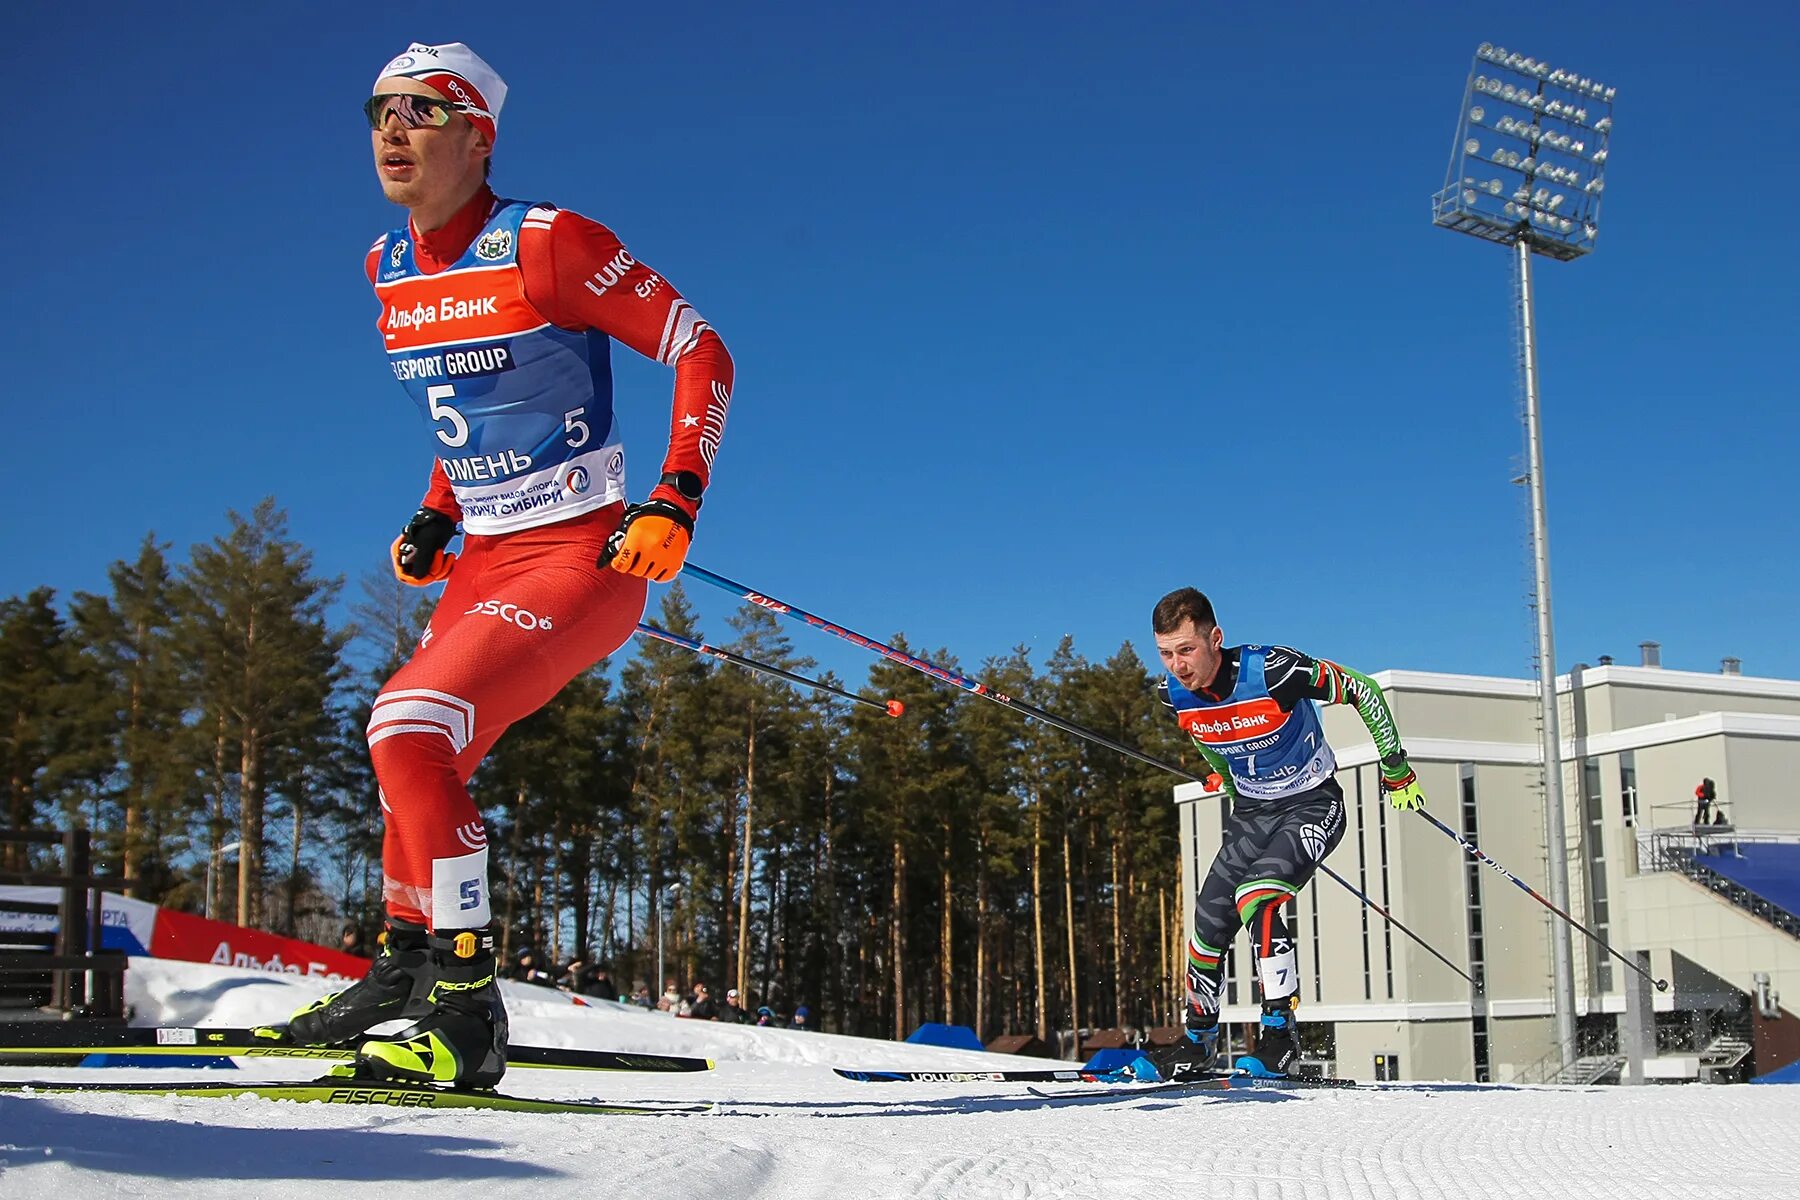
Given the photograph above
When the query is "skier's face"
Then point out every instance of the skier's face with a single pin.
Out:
(1191, 653)
(425, 167)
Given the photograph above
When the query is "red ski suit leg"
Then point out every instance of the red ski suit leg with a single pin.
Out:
(522, 615)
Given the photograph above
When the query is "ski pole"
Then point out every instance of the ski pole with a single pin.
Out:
(1662, 985)
(892, 708)
(1018, 706)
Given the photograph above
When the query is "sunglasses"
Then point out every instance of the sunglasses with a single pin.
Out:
(413, 112)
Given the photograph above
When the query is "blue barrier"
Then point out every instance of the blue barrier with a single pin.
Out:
(957, 1037)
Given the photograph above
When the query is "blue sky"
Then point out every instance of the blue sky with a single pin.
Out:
(1038, 311)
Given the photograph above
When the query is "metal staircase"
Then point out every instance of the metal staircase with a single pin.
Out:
(1590, 1069)
(1722, 1056)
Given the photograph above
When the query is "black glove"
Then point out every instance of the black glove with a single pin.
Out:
(419, 557)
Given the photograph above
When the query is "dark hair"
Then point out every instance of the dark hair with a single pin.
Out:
(1179, 607)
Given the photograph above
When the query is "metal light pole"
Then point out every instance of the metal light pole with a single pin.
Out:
(1562, 953)
(665, 902)
(212, 865)
(1549, 133)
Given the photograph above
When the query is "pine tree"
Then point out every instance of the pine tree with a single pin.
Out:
(41, 754)
(263, 669)
(128, 637)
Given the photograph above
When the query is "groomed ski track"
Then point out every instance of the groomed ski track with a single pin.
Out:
(787, 1127)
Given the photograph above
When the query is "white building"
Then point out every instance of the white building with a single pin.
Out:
(1637, 740)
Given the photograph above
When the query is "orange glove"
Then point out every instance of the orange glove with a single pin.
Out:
(418, 554)
(1215, 782)
(651, 542)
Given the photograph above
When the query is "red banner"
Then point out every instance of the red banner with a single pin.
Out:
(188, 938)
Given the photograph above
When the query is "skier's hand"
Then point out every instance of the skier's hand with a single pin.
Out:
(418, 553)
(651, 542)
(1401, 783)
(1215, 782)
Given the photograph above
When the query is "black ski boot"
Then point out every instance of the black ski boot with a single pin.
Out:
(458, 1034)
(1196, 1054)
(379, 996)
(1277, 1040)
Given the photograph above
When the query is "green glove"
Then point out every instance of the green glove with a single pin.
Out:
(1401, 783)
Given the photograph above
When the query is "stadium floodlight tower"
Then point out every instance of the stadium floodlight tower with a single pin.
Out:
(1527, 171)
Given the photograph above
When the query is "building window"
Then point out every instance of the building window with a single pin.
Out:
(1628, 786)
(1318, 975)
(1593, 813)
(1471, 829)
(1387, 901)
(1231, 979)
(1362, 884)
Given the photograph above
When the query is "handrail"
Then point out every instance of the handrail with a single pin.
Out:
(1676, 851)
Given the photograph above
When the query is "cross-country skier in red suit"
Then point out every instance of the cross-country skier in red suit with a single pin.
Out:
(496, 316)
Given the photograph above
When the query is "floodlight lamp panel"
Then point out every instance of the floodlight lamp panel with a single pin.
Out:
(1477, 113)
(1471, 147)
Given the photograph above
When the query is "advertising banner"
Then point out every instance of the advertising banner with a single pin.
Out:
(141, 928)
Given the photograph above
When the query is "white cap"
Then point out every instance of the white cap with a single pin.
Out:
(459, 74)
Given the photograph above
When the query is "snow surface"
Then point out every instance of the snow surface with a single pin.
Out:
(786, 1127)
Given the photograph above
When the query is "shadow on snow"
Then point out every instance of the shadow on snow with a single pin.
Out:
(38, 1130)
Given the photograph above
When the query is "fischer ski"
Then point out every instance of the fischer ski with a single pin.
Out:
(64, 1039)
(1072, 1075)
(378, 1093)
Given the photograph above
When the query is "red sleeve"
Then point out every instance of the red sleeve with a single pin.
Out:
(578, 275)
(438, 493)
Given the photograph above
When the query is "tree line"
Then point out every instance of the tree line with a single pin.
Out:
(956, 864)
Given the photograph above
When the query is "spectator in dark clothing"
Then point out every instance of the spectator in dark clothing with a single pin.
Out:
(597, 982)
(1705, 796)
(525, 968)
(765, 1017)
(578, 969)
(731, 1012)
(640, 995)
(802, 1018)
(703, 1007)
(351, 942)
